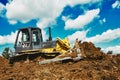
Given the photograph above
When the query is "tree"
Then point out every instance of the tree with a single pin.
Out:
(109, 52)
(6, 53)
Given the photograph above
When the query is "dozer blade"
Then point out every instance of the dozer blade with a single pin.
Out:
(55, 60)
(65, 59)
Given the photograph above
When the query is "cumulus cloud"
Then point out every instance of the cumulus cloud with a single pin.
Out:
(8, 38)
(12, 22)
(26, 10)
(75, 2)
(107, 36)
(115, 49)
(116, 4)
(44, 11)
(82, 20)
(81, 35)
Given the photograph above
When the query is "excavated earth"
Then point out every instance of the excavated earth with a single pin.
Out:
(95, 65)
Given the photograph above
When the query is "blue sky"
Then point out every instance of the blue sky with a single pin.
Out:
(88, 20)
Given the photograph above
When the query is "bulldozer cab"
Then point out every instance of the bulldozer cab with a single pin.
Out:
(28, 39)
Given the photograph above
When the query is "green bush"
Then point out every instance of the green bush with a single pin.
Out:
(6, 53)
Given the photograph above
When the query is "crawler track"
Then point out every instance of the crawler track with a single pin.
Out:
(32, 56)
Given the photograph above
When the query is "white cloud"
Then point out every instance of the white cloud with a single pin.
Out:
(44, 11)
(82, 20)
(116, 4)
(8, 38)
(115, 49)
(75, 2)
(81, 35)
(12, 22)
(43, 23)
(107, 36)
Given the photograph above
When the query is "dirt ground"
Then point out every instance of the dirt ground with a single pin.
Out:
(95, 65)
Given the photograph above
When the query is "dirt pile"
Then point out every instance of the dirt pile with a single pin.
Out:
(90, 51)
(3, 62)
(95, 65)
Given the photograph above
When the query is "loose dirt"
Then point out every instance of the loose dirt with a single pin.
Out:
(95, 65)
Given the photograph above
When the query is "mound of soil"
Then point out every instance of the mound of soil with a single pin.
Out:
(95, 65)
(90, 51)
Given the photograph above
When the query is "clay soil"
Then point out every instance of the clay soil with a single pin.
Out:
(95, 65)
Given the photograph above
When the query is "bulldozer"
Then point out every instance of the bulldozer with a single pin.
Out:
(29, 44)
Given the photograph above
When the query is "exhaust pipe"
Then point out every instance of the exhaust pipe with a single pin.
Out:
(50, 36)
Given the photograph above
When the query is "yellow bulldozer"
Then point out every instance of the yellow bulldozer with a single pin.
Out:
(29, 44)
